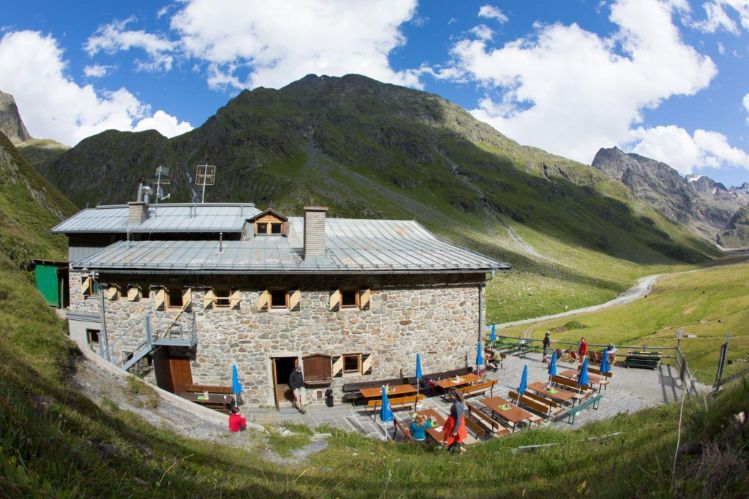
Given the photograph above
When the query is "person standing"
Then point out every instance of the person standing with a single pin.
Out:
(296, 383)
(547, 344)
(583, 349)
(454, 429)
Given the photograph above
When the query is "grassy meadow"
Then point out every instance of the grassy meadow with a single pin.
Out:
(707, 303)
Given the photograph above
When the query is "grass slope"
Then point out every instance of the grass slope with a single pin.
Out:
(708, 303)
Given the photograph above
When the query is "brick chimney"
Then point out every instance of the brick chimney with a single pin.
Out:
(137, 212)
(314, 231)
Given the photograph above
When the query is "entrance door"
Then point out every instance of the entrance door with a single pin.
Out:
(172, 370)
(282, 367)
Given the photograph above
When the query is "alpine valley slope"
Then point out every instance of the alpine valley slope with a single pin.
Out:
(368, 149)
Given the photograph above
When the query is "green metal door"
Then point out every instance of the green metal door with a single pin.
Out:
(47, 283)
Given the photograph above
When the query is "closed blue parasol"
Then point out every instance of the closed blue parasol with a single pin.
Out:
(386, 414)
(418, 368)
(493, 336)
(236, 386)
(582, 378)
(479, 356)
(523, 382)
(553, 364)
(605, 366)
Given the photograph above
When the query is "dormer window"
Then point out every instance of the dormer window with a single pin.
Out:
(270, 223)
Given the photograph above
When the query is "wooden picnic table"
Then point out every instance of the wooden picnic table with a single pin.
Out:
(394, 391)
(514, 415)
(573, 374)
(454, 382)
(436, 431)
(214, 400)
(557, 394)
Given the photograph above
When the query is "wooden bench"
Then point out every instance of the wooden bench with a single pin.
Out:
(355, 387)
(397, 402)
(403, 427)
(594, 402)
(543, 400)
(411, 380)
(543, 408)
(477, 388)
(583, 391)
(493, 426)
(221, 390)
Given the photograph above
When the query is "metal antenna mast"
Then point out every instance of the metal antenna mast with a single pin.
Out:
(205, 175)
(162, 178)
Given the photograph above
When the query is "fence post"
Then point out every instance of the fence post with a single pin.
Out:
(721, 362)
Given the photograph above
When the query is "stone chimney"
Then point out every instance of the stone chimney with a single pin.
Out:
(137, 212)
(314, 231)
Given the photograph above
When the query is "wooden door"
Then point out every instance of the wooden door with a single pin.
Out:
(181, 373)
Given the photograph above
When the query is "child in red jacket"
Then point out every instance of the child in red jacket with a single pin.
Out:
(237, 422)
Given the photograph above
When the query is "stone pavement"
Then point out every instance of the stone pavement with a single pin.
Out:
(630, 390)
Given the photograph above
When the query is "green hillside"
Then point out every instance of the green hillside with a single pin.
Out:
(368, 149)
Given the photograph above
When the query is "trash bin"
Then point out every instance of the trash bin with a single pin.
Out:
(329, 397)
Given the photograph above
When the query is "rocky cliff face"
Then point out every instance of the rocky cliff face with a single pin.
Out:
(11, 124)
(697, 201)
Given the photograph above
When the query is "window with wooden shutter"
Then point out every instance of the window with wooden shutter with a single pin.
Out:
(86, 286)
(365, 296)
(208, 298)
(337, 366)
(263, 301)
(335, 299)
(366, 363)
(111, 293)
(294, 299)
(234, 299)
(133, 293)
(160, 301)
(317, 369)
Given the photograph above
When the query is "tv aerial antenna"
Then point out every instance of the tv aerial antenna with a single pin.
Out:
(162, 179)
(205, 175)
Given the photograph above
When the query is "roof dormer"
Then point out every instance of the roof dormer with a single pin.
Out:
(269, 223)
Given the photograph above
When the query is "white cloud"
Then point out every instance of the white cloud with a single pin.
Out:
(673, 145)
(482, 32)
(113, 37)
(571, 91)
(718, 16)
(95, 71)
(745, 103)
(53, 105)
(492, 12)
(165, 123)
(274, 43)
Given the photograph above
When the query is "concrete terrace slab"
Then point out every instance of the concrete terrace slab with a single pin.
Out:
(630, 390)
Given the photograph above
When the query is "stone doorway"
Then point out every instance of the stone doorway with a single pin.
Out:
(282, 368)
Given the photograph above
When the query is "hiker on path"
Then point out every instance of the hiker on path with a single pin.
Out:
(296, 383)
(547, 344)
(454, 428)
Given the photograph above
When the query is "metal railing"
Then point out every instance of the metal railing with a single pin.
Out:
(525, 343)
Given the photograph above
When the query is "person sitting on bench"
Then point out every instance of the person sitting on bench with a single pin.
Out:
(490, 361)
(419, 428)
(237, 422)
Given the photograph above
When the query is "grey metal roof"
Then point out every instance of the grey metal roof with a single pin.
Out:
(352, 246)
(162, 218)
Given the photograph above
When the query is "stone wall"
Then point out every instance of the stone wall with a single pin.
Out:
(437, 315)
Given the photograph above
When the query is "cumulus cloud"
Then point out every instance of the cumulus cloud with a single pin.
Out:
(492, 12)
(251, 43)
(166, 124)
(571, 91)
(673, 145)
(482, 32)
(114, 37)
(95, 71)
(718, 16)
(54, 106)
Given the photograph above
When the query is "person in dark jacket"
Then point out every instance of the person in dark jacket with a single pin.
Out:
(296, 383)
(547, 344)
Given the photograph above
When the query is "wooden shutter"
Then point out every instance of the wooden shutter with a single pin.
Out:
(209, 298)
(317, 369)
(186, 298)
(285, 229)
(337, 365)
(365, 296)
(86, 284)
(366, 363)
(160, 301)
(294, 298)
(111, 293)
(234, 298)
(335, 299)
(133, 293)
(263, 301)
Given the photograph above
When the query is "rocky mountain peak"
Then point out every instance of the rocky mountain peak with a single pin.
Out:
(11, 124)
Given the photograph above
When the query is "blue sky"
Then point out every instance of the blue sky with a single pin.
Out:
(665, 78)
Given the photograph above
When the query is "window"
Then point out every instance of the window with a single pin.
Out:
(275, 228)
(89, 287)
(349, 298)
(279, 298)
(174, 298)
(145, 292)
(262, 228)
(222, 298)
(92, 336)
(352, 363)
